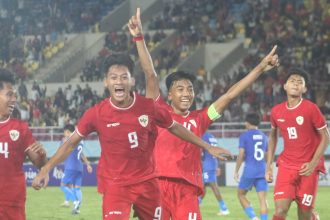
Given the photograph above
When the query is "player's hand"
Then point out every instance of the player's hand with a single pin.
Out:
(306, 169)
(270, 61)
(89, 168)
(269, 175)
(134, 24)
(41, 180)
(236, 177)
(219, 152)
(37, 148)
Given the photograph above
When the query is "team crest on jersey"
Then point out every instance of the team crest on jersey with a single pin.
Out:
(14, 135)
(300, 120)
(143, 119)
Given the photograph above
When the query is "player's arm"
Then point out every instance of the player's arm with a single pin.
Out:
(37, 154)
(86, 161)
(308, 168)
(152, 84)
(62, 152)
(272, 142)
(239, 161)
(183, 133)
(267, 63)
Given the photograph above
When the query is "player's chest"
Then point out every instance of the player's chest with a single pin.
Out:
(10, 143)
(192, 124)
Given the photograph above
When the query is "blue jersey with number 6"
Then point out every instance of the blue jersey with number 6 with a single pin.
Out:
(255, 144)
(73, 161)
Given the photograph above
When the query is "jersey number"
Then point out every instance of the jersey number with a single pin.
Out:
(133, 139)
(258, 152)
(307, 200)
(158, 213)
(292, 132)
(4, 149)
(79, 152)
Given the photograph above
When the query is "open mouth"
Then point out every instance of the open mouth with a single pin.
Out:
(11, 108)
(119, 92)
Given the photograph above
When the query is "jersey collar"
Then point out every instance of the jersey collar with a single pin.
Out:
(130, 106)
(294, 107)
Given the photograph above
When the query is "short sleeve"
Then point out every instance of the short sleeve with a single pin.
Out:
(87, 123)
(162, 117)
(241, 141)
(27, 136)
(272, 119)
(318, 119)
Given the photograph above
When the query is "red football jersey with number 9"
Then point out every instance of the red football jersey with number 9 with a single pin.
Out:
(127, 137)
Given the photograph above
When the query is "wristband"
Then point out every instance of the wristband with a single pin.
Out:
(138, 38)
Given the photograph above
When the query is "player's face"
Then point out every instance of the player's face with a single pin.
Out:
(8, 98)
(119, 83)
(295, 86)
(181, 95)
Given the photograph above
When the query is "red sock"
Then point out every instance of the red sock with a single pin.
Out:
(275, 217)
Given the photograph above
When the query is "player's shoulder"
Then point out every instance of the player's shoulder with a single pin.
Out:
(307, 102)
(279, 106)
(19, 123)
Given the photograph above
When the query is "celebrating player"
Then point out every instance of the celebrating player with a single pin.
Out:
(73, 170)
(305, 135)
(126, 126)
(180, 177)
(253, 145)
(210, 171)
(16, 142)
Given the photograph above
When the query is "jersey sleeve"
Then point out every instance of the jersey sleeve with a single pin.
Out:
(241, 143)
(161, 102)
(163, 118)
(87, 123)
(27, 136)
(272, 119)
(318, 119)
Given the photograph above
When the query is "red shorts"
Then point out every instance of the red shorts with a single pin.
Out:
(179, 199)
(12, 212)
(290, 185)
(144, 197)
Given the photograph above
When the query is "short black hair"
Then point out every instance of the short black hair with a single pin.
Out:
(253, 119)
(300, 72)
(6, 77)
(69, 127)
(118, 59)
(179, 75)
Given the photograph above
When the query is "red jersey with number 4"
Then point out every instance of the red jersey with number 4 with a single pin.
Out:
(178, 158)
(127, 137)
(15, 137)
(299, 127)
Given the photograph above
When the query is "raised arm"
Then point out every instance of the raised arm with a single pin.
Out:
(183, 133)
(62, 152)
(273, 136)
(267, 63)
(135, 28)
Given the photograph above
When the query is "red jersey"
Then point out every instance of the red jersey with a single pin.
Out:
(299, 127)
(127, 137)
(15, 137)
(178, 158)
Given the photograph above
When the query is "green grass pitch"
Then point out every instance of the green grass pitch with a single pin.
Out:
(45, 204)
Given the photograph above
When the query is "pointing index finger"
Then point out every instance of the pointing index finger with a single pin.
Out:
(138, 13)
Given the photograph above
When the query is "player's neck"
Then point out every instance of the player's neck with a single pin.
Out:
(4, 117)
(293, 101)
(180, 112)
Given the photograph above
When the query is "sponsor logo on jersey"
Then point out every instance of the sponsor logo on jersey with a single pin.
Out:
(281, 120)
(113, 124)
(143, 119)
(14, 135)
(279, 193)
(300, 120)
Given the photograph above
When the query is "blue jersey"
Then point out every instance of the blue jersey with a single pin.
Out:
(255, 144)
(209, 162)
(73, 161)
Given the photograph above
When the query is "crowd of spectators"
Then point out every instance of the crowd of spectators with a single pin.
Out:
(31, 31)
(299, 28)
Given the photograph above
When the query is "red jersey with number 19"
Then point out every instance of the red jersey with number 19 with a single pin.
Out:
(15, 137)
(127, 137)
(178, 158)
(299, 127)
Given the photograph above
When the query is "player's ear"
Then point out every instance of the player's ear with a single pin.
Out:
(304, 89)
(132, 81)
(105, 83)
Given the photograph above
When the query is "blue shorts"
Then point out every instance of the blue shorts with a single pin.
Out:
(73, 177)
(260, 184)
(210, 176)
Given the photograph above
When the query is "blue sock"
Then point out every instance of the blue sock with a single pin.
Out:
(78, 194)
(222, 205)
(68, 193)
(263, 216)
(250, 212)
